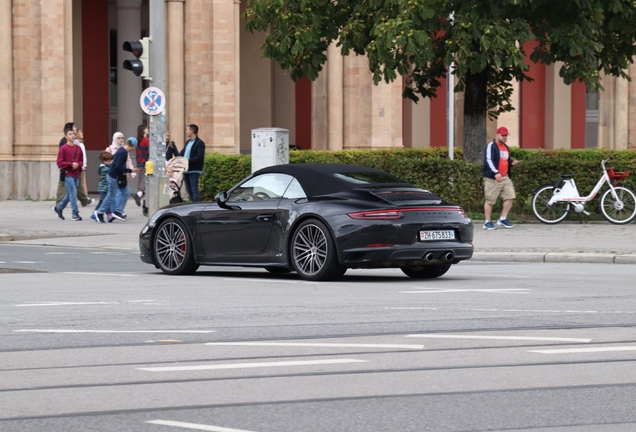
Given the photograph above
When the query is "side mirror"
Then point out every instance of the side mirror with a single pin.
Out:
(221, 200)
(221, 197)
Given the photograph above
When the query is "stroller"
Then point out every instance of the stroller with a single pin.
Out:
(175, 168)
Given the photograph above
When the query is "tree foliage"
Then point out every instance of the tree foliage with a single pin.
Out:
(484, 39)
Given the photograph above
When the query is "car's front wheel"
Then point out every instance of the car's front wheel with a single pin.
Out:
(313, 252)
(427, 271)
(172, 248)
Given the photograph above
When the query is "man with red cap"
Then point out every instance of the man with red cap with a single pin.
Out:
(497, 183)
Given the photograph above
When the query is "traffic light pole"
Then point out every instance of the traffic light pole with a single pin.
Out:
(157, 128)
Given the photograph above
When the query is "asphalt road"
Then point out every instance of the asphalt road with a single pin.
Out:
(95, 342)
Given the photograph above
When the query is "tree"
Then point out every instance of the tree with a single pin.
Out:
(419, 39)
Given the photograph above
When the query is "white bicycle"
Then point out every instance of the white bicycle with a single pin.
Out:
(551, 204)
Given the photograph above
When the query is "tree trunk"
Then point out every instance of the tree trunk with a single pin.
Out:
(475, 138)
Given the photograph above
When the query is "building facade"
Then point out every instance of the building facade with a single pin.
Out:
(61, 61)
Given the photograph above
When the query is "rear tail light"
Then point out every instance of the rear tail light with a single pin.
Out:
(376, 215)
(462, 213)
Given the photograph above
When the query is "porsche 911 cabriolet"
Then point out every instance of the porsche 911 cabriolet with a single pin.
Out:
(317, 220)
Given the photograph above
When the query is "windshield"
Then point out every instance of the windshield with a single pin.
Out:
(368, 177)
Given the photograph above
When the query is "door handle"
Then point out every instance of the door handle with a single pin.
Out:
(264, 217)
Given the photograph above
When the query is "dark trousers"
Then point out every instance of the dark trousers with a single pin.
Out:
(191, 181)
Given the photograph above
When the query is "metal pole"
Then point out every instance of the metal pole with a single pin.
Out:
(451, 105)
(157, 127)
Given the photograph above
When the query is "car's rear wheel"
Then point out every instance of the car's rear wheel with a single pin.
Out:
(172, 248)
(314, 253)
(427, 271)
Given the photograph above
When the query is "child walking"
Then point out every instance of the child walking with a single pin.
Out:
(106, 159)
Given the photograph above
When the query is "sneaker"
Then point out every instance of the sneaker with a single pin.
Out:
(97, 217)
(119, 216)
(109, 217)
(76, 217)
(88, 202)
(489, 226)
(137, 199)
(505, 223)
(58, 212)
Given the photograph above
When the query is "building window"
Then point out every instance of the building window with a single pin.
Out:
(591, 119)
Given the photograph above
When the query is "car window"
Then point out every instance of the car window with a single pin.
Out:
(260, 188)
(294, 191)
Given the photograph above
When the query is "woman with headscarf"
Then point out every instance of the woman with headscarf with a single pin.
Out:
(120, 201)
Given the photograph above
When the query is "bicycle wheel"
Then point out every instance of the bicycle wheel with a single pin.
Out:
(619, 211)
(548, 214)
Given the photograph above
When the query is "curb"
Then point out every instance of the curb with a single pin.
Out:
(555, 257)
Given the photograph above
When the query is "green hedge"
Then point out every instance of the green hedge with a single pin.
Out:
(455, 180)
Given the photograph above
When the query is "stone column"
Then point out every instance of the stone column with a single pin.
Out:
(129, 86)
(558, 113)
(510, 119)
(237, 76)
(621, 113)
(632, 108)
(606, 113)
(319, 113)
(6, 85)
(335, 97)
(176, 71)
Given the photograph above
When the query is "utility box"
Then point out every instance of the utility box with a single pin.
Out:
(270, 146)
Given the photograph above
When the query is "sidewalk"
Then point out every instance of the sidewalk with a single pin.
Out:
(35, 223)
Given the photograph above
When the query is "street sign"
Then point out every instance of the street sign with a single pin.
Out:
(152, 101)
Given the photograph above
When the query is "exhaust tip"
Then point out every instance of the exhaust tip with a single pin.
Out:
(429, 256)
(449, 256)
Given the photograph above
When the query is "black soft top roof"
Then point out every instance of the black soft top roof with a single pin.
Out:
(318, 178)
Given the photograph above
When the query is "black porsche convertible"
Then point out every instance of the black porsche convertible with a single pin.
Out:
(317, 220)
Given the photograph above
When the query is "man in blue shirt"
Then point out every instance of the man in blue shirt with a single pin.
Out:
(194, 152)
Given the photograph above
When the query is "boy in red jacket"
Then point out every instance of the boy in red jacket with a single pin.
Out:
(69, 159)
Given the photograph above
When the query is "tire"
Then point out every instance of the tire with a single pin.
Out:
(427, 271)
(278, 270)
(172, 248)
(313, 252)
(622, 211)
(548, 214)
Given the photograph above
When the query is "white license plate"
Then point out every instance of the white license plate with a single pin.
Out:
(437, 235)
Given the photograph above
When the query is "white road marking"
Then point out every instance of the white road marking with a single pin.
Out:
(272, 281)
(100, 274)
(498, 291)
(53, 303)
(110, 331)
(195, 426)
(250, 365)
(27, 262)
(584, 350)
(528, 338)
(514, 310)
(311, 344)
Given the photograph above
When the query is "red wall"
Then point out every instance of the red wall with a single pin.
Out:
(95, 74)
(438, 117)
(579, 92)
(303, 113)
(532, 124)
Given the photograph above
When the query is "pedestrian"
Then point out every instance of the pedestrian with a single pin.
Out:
(106, 160)
(83, 189)
(141, 155)
(171, 147)
(82, 194)
(120, 201)
(194, 152)
(497, 183)
(69, 160)
(117, 179)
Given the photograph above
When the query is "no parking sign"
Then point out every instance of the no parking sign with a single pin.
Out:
(152, 101)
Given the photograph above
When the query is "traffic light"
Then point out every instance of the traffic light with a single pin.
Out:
(140, 48)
